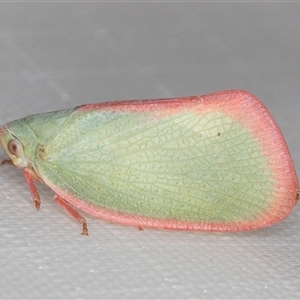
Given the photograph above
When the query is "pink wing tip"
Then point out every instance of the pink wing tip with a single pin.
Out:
(1, 133)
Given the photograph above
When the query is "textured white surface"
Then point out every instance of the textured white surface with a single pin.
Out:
(58, 55)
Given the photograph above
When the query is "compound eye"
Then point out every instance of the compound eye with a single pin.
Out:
(14, 147)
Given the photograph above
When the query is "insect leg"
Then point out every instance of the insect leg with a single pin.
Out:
(6, 162)
(73, 212)
(31, 176)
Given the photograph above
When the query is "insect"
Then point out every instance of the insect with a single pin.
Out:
(216, 162)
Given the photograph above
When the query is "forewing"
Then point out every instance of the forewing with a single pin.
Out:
(181, 165)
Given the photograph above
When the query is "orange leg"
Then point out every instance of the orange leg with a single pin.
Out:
(31, 176)
(6, 161)
(73, 212)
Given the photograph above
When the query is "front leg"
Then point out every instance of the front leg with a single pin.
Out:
(6, 162)
(31, 176)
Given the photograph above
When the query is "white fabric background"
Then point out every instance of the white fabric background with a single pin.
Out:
(59, 55)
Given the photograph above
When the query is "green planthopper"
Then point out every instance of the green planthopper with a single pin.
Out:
(216, 162)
